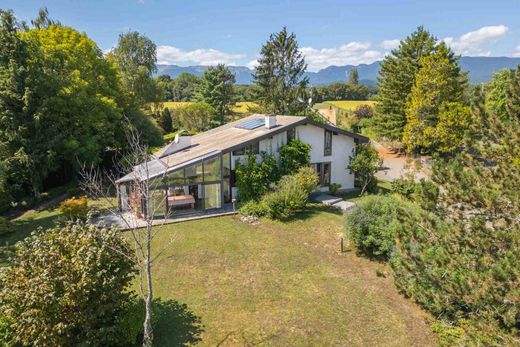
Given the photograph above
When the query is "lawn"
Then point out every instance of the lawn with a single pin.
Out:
(279, 284)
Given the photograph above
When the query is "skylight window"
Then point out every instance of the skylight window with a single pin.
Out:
(251, 124)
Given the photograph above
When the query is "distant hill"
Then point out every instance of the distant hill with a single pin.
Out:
(480, 70)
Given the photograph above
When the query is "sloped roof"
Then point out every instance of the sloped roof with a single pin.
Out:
(226, 138)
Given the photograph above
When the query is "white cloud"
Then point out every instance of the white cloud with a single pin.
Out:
(201, 56)
(252, 64)
(351, 53)
(473, 42)
(516, 53)
(390, 44)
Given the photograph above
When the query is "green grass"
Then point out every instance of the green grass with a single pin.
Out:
(280, 284)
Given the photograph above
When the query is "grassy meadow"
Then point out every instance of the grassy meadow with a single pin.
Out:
(240, 108)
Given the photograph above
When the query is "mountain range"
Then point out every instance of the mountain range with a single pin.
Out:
(480, 70)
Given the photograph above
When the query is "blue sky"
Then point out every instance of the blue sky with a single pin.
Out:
(329, 32)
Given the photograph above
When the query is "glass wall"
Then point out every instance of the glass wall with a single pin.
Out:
(212, 196)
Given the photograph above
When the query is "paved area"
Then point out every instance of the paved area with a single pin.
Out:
(331, 200)
(128, 220)
(395, 165)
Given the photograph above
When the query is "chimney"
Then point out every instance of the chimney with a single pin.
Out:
(270, 121)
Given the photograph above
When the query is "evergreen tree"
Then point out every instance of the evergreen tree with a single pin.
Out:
(395, 82)
(165, 120)
(496, 92)
(353, 76)
(280, 75)
(436, 119)
(216, 89)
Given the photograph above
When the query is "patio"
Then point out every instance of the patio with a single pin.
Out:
(127, 220)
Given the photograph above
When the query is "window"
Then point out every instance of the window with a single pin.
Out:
(328, 143)
(226, 164)
(194, 173)
(212, 196)
(252, 148)
(212, 169)
(323, 172)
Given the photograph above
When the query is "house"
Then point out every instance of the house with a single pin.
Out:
(197, 172)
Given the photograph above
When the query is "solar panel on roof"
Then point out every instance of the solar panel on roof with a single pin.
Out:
(251, 124)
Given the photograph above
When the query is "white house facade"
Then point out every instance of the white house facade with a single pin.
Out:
(198, 172)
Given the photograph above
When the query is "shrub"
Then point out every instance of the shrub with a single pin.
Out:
(404, 186)
(373, 224)
(425, 193)
(291, 194)
(254, 179)
(130, 322)
(293, 156)
(66, 286)
(253, 208)
(75, 208)
(5, 226)
(334, 187)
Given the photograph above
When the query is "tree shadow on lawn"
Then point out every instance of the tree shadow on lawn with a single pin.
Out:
(175, 324)
(312, 210)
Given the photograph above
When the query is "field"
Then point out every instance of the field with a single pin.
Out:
(345, 105)
(240, 107)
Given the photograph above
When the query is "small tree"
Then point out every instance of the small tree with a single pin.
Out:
(293, 156)
(253, 178)
(353, 76)
(67, 286)
(364, 164)
(100, 185)
(165, 120)
(364, 111)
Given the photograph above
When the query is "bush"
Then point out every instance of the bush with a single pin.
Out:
(75, 208)
(425, 193)
(404, 186)
(253, 208)
(254, 179)
(373, 225)
(291, 194)
(293, 156)
(5, 226)
(66, 286)
(334, 187)
(130, 322)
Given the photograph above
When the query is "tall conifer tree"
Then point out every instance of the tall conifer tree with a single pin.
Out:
(395, 82)
(280, 75)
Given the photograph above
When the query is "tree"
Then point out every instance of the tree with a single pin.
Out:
(216, 88)
(165, 121)
(364, 165)
(100, 185)
(353, 76)
(436, 94)
(43, 21)
(280, 74)
(496, 95)
(395, 82)
(196, 116)
(67, 286)
(136, 56)
(445, 266)
(364, 111)
(184, 86)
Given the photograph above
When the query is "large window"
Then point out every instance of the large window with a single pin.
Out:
(193, 173)
(323, 172)
(328, 143)
(212, 169)
(252, 148)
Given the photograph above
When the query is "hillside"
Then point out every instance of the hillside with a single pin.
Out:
(480, 70)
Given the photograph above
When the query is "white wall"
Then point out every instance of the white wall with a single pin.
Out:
(342, 146)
